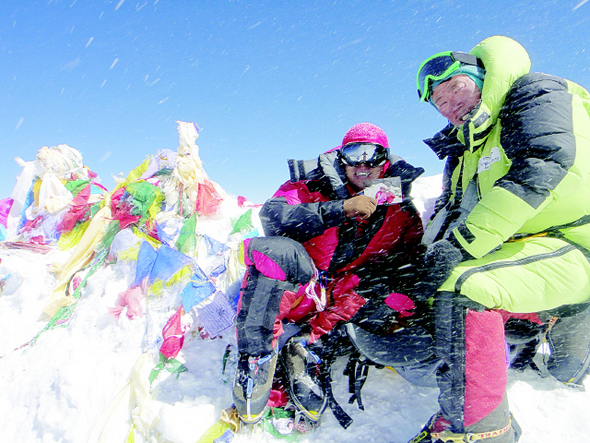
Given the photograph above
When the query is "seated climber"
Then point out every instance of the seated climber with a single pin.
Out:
(331, 255)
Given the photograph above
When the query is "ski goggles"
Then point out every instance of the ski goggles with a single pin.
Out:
(438, 67)
(372, 155)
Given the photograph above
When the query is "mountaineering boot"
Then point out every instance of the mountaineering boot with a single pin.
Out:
(568, 338)
(302, 368)
(523, 338)
(498, 427)
(252, 384)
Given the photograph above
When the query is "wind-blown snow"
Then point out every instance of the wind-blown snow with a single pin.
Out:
(72, 385)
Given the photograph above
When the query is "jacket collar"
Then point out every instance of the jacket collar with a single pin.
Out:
(445, 143)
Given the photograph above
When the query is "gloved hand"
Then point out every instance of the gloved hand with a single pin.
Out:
(360, 206)
(440, 259)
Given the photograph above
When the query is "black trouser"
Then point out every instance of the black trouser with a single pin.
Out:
(261, 295)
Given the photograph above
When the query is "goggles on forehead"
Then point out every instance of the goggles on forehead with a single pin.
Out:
(438, 67)
(355, 154)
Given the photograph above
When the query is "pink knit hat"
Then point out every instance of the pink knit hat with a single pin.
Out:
(366, 133)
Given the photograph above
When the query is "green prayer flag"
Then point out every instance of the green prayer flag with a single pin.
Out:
(187, 238)
(244, 223)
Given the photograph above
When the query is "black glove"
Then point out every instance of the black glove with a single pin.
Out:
(440, 259)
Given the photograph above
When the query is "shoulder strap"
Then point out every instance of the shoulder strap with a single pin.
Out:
(303, 170)
(326, 165)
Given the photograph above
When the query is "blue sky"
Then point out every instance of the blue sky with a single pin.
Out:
(264, 80)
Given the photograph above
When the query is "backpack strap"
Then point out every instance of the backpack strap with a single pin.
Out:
(303, 170)
(332, 349)
(357, 370)
(326, 166)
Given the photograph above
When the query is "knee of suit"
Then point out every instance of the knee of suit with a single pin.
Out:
(279, 258)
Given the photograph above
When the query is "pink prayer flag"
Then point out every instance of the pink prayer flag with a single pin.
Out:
(173, 334)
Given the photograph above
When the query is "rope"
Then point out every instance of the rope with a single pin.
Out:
(319, 277)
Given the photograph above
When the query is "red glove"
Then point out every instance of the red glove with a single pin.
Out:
(400, 303)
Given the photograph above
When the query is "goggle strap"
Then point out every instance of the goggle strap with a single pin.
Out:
(464, 57)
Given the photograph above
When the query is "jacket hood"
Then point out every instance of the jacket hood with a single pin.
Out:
(504, 60)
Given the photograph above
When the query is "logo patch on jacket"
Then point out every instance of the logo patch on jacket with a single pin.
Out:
(485, 163)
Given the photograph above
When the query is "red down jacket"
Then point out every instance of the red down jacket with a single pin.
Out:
(344, 250)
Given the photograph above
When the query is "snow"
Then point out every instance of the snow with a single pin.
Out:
(84, 382)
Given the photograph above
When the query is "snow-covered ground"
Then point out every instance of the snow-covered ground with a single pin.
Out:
(84, 382)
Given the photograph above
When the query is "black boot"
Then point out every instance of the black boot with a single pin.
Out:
(302, 368)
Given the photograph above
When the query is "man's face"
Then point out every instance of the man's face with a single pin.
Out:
(456, 98)
(359, 175)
